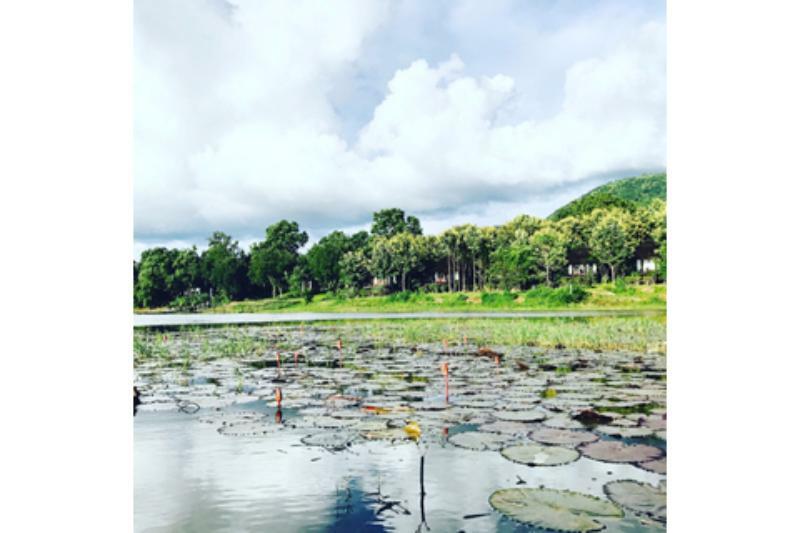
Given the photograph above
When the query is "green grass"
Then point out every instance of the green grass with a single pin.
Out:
(604, 296)
(646, 333)
(640, 334)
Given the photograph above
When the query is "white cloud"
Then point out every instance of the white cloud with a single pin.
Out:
(235, 128)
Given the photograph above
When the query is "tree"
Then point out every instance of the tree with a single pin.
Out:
(154, 280)
(512, 265)
(381, 263)
(610, 241)
(273, 259)
(223, 265)
(355, 269)
(186, 271)
(390, 222)
(406, 251)
(549, 249)
(324, 260)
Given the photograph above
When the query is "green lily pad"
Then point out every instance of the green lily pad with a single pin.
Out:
(625, 432)
(479, 440)
(659, 466)
(539, 455)
(531, 415)
(613, 451)
(558, 510)
(501, 426)
(569, 437)
(638, 497)
(332, 440)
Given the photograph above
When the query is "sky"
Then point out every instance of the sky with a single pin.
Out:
(459, 111)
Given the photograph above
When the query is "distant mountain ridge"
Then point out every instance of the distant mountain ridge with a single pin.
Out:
(627, 193)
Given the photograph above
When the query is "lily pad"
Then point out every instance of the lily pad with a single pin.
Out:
(659, 466)
(391, 434)
(569, 437)
(558, 510)
(625, 432)
(539, 455)
(531, 415)
(502, 426)
(332, 440)
(616, 452)
(248, 429)
(641, 498)
(478, 440)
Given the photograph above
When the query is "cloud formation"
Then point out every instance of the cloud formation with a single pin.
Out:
(244, 113)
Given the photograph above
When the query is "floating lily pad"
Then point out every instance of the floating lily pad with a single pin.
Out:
(531, 415)
(391, 434)
(558, 510)
(333, 440)
(641, 498)
(330, 423)
(502, 426)
(617, 452)
(659, 466)
(625, 432)
(249, 429)
(478, 440)
(563, 422)
(539, 455)
(569, 437)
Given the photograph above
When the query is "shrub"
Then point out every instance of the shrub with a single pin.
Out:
(190, 301)
(402, 296)
(564, 295)
(621, 287)
(497, 298)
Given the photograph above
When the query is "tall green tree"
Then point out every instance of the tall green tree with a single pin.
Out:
(390, 222)
(273, 259)
(407, 252)
(549, 247)
(355, 269)
(324, 260)
(153, 286)
(611, 242)
(222, 264)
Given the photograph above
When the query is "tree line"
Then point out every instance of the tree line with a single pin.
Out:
(395, 256)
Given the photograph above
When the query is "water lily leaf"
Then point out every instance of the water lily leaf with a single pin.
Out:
(625, 432)
(478, 440)
(532, 415)
(617, 452)
(558, 510)
(502, 426)
(659, 466)
(563, 422)
(539, 455)
(333, 440)
(569, 437)
(391, 434)
(641, 498)
(249, 429)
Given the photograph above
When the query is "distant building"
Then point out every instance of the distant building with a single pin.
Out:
(646, 265)
(581, 270)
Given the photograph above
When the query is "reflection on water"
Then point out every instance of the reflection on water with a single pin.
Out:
(188, 477)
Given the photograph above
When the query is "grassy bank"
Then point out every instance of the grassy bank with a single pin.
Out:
(605, 296)
(600, 297)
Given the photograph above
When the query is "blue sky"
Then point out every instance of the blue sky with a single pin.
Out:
(323, 112)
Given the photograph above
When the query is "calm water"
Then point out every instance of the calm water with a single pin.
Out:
(186, 319)
(188, 477)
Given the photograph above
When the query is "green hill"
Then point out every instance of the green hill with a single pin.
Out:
(627, 193)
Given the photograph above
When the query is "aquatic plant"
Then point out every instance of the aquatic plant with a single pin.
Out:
(557, 510)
